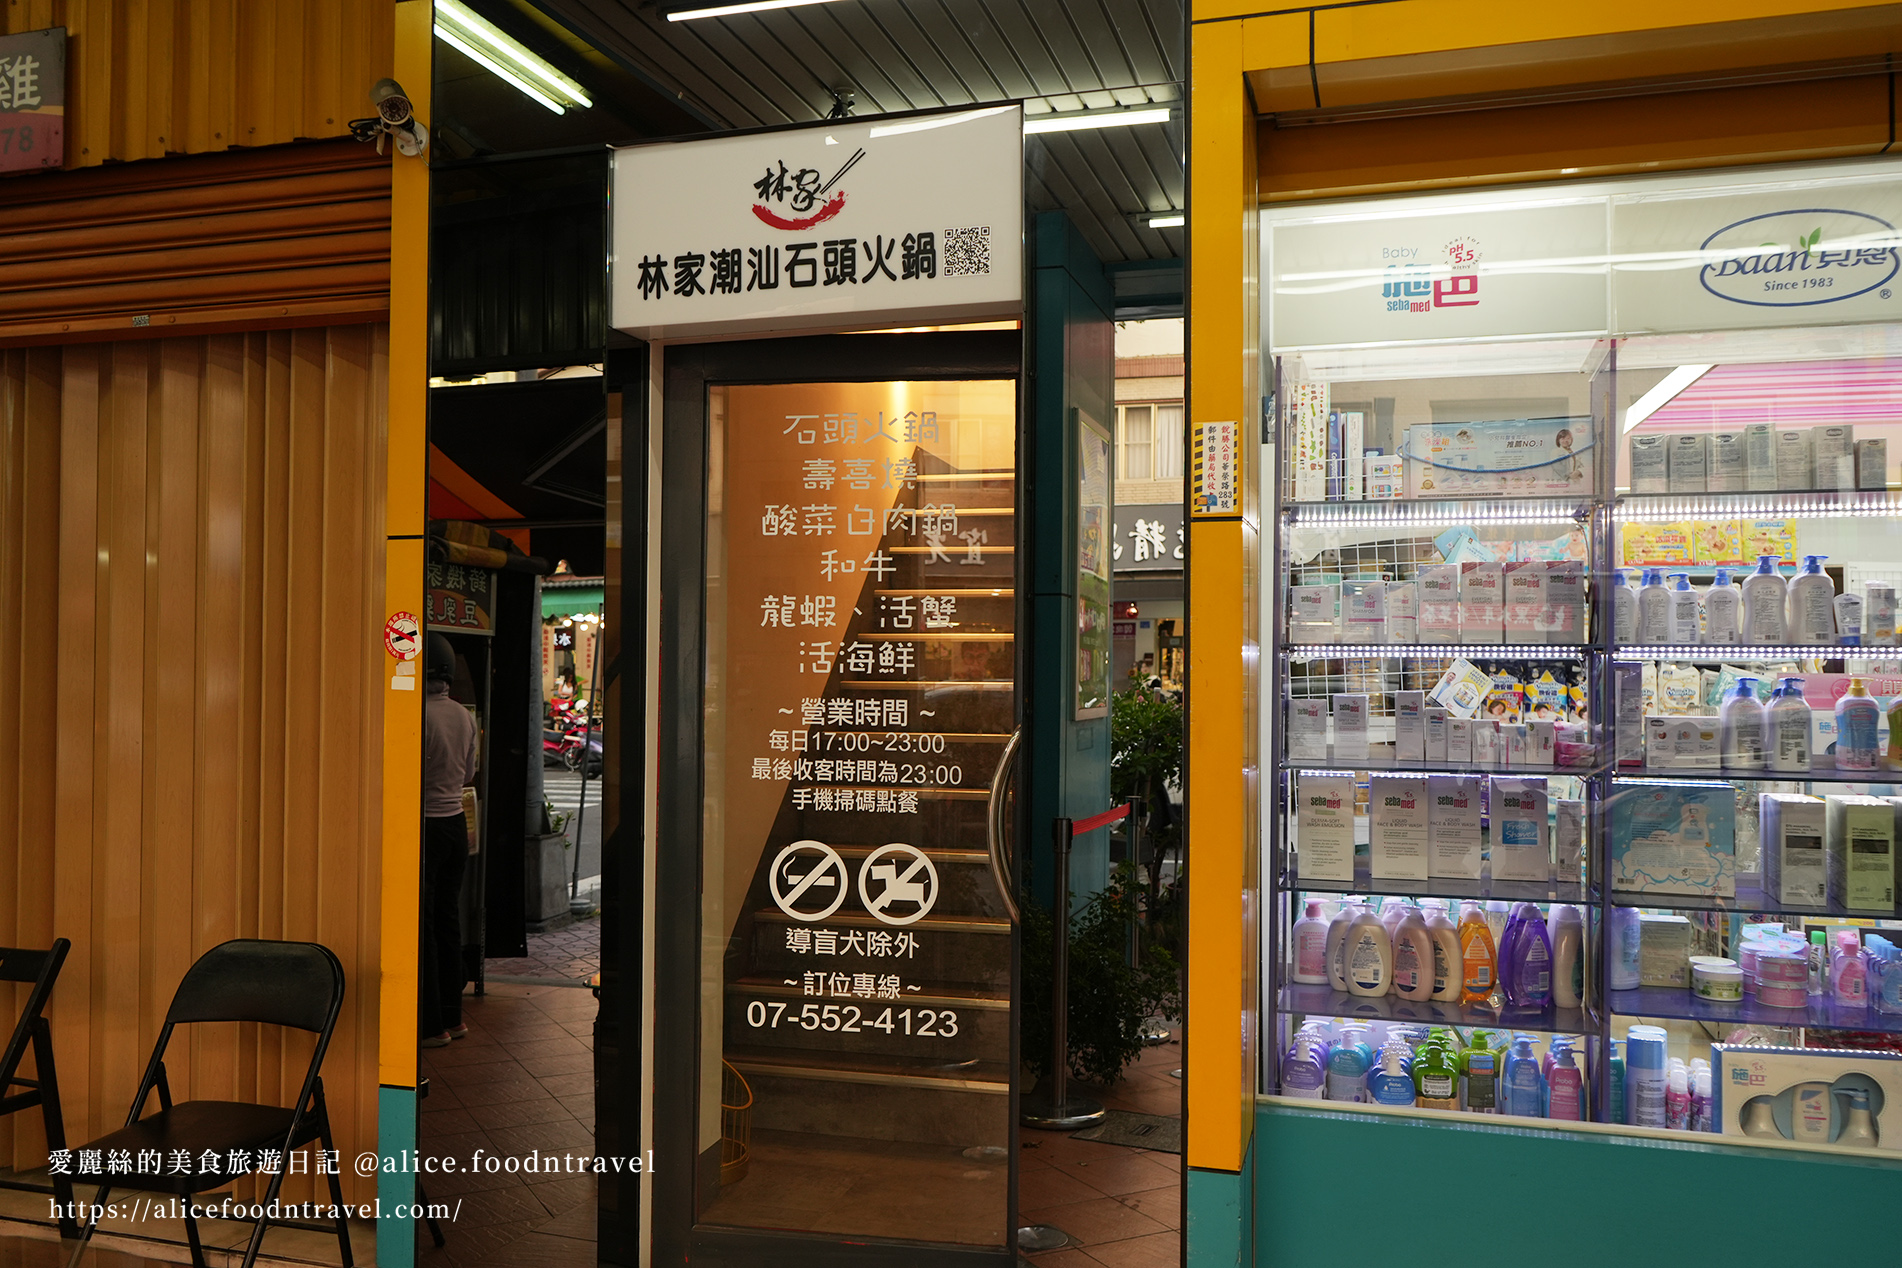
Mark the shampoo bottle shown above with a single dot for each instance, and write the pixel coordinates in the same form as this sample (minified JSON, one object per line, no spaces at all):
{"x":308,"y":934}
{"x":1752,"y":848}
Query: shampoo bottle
{"x":1787,"y":739}
{"x":1528,"y":967}
{"x":1763,"y":594}
{"x":1479,"y":975}
{"x":1622,"y":972}
{"x":1723,"y":609}
{"x":1568,"y":959}
{"x":1654,"y":609}
{"x":1741,"y":727}
{"x":1310,"y":946}
{"x":1446,"y":954}
{"x":1523,"y":1086}
{"x":1565,"y":1092}
{"x":1808,"y":617}
{"x":1856,"y":723}
{"x":1624,"y":611}
{"x":1392,"y":912}
{"x":1848,"y":975}
{"x":1684,"y":611}
{"x":1337,"y":944}
{"x":1369,"y":955}
{"x":1412,"y":958}
{"x":1848,"y":620}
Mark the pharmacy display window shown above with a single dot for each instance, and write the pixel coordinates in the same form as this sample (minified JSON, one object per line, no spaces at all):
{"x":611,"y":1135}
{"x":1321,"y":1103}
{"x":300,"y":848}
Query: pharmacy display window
{"x":1588,"y":530}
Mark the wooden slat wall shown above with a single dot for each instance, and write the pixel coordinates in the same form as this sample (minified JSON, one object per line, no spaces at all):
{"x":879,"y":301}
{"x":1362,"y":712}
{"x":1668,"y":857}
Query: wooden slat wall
{"x":191,"y":572}
{"x":147,"y":78}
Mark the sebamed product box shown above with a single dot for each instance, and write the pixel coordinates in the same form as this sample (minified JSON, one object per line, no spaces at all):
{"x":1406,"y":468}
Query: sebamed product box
{"x":1568,"y":839}
{"x":1363,"y":611}
{"x":1524,"y":581}
{"x":1674,"y":837}
{"x":1726,"y":462}
{"x":1648,"y":471}
{"x":1760,"y":457}
{"x":1793,"y":460}
{"x":1453,"y":826}
{"x":1833,"y":456}
{"x":1409,"y":726}
{"x":1565,"y":620}
{"x":1520,"y":458}
{"x":1462,"y":689}
{"x":1515,"y":744}
{"x":1435,"y":723}
{"x":1543,"y":743}
{"x":1397,"y":839}
{"x":1403,"y":612}
{"x":1439,"y":603}
{"x":1521,"y":847}
{"x":1486,"y":750}
{"x":1831,"y":1097}
{"x":1872,"y":464}
{"x":1350,"y":727}
{"x":1459,"y":741}
{"x":1793,"y":828}
{"x":1687,"y":463}
{"x":1307,"y":728}
{"x":1861,"y":845}
{"x":1324,"y":825}
{"x":1482,"y":602}
{"x":1314,"y":614}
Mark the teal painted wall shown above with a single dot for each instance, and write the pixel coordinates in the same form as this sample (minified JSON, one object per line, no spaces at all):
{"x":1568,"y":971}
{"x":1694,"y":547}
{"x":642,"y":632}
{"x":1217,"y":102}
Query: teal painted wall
{"x":1217,"y":1226}
{"x":395,"y":1185}
{"x":1452,"y":1192}
{"x":1072,"y":370}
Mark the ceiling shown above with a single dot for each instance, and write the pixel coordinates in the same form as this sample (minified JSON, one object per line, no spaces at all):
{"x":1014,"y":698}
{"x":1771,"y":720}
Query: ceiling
{"x":783,"y":66}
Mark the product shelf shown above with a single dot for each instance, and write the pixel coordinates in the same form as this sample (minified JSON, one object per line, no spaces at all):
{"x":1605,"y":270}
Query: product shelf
{"x":1375,"y":763}
{"x":1727,"y":775}
{"x":1487,"y":651}
{"x":1482,"y":889}
{"x":1720,"y":653}
{"x":1472,"y":512}
{"x":1324,"y":1001}
{"x":1681,"y":1004}
{"x":1663,"y":508}
{"x":1750,"y":900}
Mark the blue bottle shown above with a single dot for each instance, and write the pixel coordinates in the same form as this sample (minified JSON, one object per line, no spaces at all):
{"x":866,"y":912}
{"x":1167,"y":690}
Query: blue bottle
{"x":1523,"y":1086}
{"x":1347,"y":1071}
{"x":1615,"y":1068}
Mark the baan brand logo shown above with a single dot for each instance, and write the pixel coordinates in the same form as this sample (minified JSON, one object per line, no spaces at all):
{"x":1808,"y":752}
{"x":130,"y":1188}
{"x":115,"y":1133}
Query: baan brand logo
{"x":808,"y":194}
{"x":1801,"y":257}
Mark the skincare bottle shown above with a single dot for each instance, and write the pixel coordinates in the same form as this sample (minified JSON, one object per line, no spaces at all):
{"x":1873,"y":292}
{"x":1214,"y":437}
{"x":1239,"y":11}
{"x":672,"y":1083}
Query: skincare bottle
{"x":1479,"y":972}
{"x":1622,"y":972}
{"x":1479,"y":1076}
{"x":1498,"y":916}
{"x":1701,"y":1120}
{"x":1787,"y":741}
{"x":1615,"y":1079}
{"x":1684,"y":611}
{"x":1819,"y":964}
{"x":1347,"y":1069}
{"x":1446,"y":954}
{"x":1808,"y":617}
{"x":1723,"y":607}
{"x":1654,"y":609}
{"x":1646,"y":1073}
{"x":1677,"y":1097}
{"x":1392,"y":912}
{"x":1514,"y":922}
{"x":1848,"y":620}
{"x":1528,"y":968}
{"x":1885,"y":976}
{"x":1763,"y":594}
{"x":1878,"y":613}
{"x":1859,"y":1126}
{"x":1412,"y":958}
{"x":1304,"y":1066}
{"x":1523,"y":1087}
{"x":1336,"y":954}
{"x":1741,"y":727}
{"x":1436,"y":1075}
{"x":1390,"y":1079}
{"x":1568,"y":959}
{"x":1369,"y":955}
{"x":1310,"y":946}
{"x":1624,"y":611}
{"x":1856,"y":720}
{"x":1848,"y":975}
{"x":1565,"y":1093}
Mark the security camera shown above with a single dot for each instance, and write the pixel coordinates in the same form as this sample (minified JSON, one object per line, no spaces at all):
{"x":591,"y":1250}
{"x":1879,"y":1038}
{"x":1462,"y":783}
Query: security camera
{"x":391,"y":102}
{"x":394,"y":117}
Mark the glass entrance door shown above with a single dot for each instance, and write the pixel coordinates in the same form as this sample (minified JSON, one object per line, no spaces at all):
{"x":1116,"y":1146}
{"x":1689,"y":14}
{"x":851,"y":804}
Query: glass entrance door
{"x":853,"y":1030}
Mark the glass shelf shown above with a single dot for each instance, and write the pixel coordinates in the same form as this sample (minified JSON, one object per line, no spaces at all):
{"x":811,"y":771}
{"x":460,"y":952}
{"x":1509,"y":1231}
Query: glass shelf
{"x":1681,"y":1004}
{"x":1726,"y":775}
{"x":1470,"y":512}
{"x":1325,"y":1001}
{"x":1481,"y":889}
{"x":1716,"y":653}
{"x":1646,"y":508}
{"x":1750,"y":900}
{"x":1490,"y":651}
{"x":1376,"y":763}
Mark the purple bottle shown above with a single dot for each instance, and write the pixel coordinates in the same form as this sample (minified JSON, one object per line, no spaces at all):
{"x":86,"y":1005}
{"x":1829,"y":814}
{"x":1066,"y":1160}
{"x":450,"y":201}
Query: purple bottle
{"x":1527,"y":967}
{"x":1507,"y":940}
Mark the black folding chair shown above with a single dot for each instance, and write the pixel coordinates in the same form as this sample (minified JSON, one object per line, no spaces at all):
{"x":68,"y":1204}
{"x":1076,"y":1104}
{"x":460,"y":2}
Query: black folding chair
{"x":42,"y":969}
{"x":295,"y":984}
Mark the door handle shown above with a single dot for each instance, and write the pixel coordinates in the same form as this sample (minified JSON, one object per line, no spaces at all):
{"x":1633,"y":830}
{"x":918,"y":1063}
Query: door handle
{"x":1002,"y":867}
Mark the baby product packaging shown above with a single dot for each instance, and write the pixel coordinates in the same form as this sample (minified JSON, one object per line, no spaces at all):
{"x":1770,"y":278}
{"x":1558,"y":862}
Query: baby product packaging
{"x":1314,"y":614}
{"x":1462,"y":689}
{"x":1872,"y":464}
{"x":1833,"y":456}
{"x":1627,"y":680}
{"x":1521,"y":848}
{"x":1544,"y":740}
{"x":1307,"y":728}
{"x":1760,"y":457}
{"x":1515,"y":744}
{"x":1385,"y":478}
{"x":1434,"y":720}
{"x":1568,"y":839}
{"x":1439,"y":603}
{"x":1482,"y":603}
{"x":1459,"y":741}
{"x":1324,"y":825}
{"x":1674,"y":837}
{"x":1688,"y":463}
{"x":1664,"y":951}
{"x":1350,"y":727}
{"x":1403,"y":612}
{"x":1510,"y":458}
{"x":1363,"y":611}
{"x":1687,"y":742}
{"x":1648,"y":473}
{"x":1486,"y":751}
{"x":1726,"y":462}
{"x":1793,"y":460}
{"x":1525,"y":600}
{"x":1793,"y":828}
{"x":1565,"y":602}
{"x":1409,"y":726}
{"x":1397,"y":828}
{"x":1453,"y":825}
{"x":1833,"y":1097}
{"x":1861,"y":844}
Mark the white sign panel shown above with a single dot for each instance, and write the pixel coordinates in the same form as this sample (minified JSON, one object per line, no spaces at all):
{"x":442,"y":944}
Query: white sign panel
{"x":1469,"y":273}
{"x":1814,"y":253}
{"x":851,"y":222}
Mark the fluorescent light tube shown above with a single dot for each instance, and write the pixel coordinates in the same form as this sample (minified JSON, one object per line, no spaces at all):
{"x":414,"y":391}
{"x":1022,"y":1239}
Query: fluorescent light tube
{"x":506,"y":57}
{"x":1660,"y":396}
{"x":727,"y":10}
{"x":1169,"y":220}
{"x":1101,"y":119}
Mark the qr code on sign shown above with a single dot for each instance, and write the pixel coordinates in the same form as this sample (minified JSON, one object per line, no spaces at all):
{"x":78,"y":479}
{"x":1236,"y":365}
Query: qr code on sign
{"x":967,"y":252}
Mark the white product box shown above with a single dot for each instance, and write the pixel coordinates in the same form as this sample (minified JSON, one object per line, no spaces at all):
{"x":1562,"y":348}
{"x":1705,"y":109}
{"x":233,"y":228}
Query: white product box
{"x":1459,"y":741}
{"x":1664,"y":951}
{"x":1525,"y":600}
{"x":1462,"y":689}
{"x":1454,"y":834}
{"x":1813,"y":1096}
{"x":1793,"y":460}
{"x":1397,"y":840}
{"x":1872,"y":464}
{"x":1314,"y":614}
{"x":1307,"y":728}
{"x":1861,"y":844}
{"x":1543,"y":751}
{"x":1673,"y":837}
{"x":1409,"y":726}
{"x":1350,"y":727}
{"x":1307,"y":442}
{"x":1439,"y":603}
{"x":1672,"y":742}
{"x":1482,"y":603}
{"x":1363,"y":611}
{"x":1688,"y":463}
{"x":1385,"y":478}
{"x":1486,"y":751}
{"x":1353,"y":453}
{"x":1648,"y":473}
{"x":1436,"y":719}
{"x":1760,"y":457}
{"x":1565,"y":620}
{"x":1515,"y":744}
{"x":1403,"y":612}
{"x":1522,"y":849}
{"x":1324,"y":825}
{"x":1627,"y":683}
{"x":1568,"y":839}
{"x":1726,"y":462}
{"x":1833,"y":456}
{"x":1793,"y":830}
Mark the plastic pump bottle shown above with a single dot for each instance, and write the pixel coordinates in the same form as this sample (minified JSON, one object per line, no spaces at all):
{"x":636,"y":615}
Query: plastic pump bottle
{"x":1742,"y":728}
{"x":1336,"y":955}
{"x":1856,"y":720}
{"x":1479,"y":959}
{"x":1369,"y":954}
{"x":1763,"y":595}
{"x":1412,"y":958}
{"x":1654,"y":609}
{"x":1624,"y":611}
{"x":1701,"y":1120}
{"x":1723,"y":610}
{"x":1677,"y":1096}
{"x":1392,"y":912}
{"x":1615,"y":1078}
{"x":1568,"y":960}
{"x":1684,"y":611}
{"x":1522,"y":1087}
{"x":1859,"y":1126}
{"x":1446,"y":954}
{"x":1787,"y":737}
{"x":1809,"y":617}
{"x":1565,"y":1092}
{"x":1310,"y":946}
